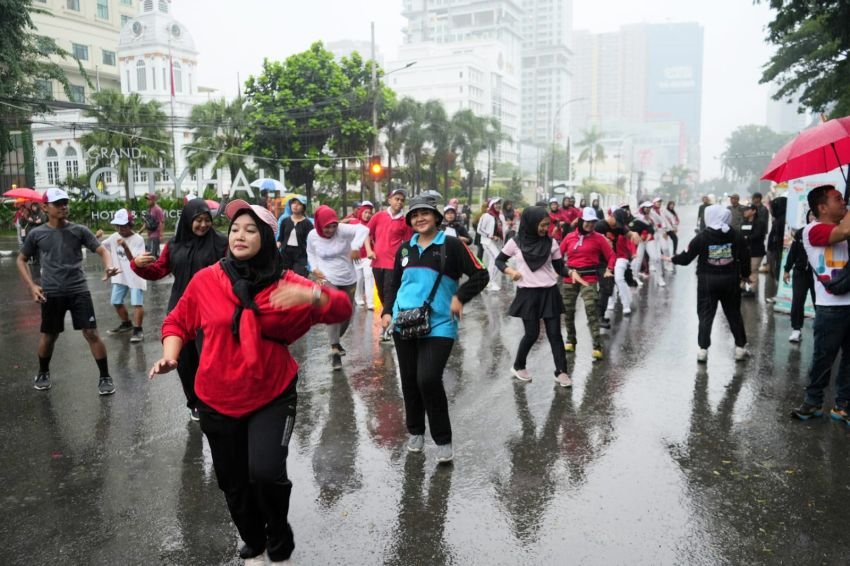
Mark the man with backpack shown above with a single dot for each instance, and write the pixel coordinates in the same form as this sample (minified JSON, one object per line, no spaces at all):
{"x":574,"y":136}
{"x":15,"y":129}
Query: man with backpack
{"x":154,"y":219}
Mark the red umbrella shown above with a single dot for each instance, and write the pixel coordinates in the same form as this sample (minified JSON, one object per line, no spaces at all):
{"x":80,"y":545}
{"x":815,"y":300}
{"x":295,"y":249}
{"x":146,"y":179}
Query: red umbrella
{"x":22,"y":192}
{"x":212,"y":204}
{"x":816,"y":150}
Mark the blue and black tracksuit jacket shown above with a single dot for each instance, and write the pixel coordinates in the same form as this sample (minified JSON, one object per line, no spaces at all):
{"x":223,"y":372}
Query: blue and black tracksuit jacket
{"x":416,"y":270}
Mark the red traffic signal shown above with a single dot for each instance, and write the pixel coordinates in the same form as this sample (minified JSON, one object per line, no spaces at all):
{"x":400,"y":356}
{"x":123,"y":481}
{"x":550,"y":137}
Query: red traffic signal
{"x":376,"y":169}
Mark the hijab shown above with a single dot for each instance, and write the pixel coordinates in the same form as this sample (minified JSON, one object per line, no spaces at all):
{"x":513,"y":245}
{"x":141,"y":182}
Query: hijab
{"x":188,"y":253}
{"x":536,"y":249}
{"x":718,"y":217}
{"x":325,"y":215}
{"x":251,"y":276}
{"x":491,"y":210}
{"x":358,"y":214}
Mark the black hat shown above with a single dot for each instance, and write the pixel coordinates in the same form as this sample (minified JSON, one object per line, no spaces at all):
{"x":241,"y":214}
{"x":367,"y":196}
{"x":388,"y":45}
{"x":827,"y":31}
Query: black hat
{"x":426,"y":201}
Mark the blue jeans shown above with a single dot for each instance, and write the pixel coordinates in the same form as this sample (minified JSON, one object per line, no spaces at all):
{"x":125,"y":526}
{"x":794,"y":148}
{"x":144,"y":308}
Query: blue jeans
{"x":832,"y":333}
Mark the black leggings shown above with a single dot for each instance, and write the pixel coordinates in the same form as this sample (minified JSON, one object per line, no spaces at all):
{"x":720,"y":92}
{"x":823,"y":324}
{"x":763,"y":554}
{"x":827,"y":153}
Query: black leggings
{"x":421,"y":363}
{"x":382,"y":277}
{"x":187,"y":367}
{"x":675,"y":239}
{"x":723,"y":289}
{"x":556,"y":342}
{"x":249,"y":456}
{"x":802,"y":282}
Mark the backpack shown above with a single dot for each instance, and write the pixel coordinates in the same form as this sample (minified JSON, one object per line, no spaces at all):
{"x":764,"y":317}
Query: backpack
{"x":151,"y":223}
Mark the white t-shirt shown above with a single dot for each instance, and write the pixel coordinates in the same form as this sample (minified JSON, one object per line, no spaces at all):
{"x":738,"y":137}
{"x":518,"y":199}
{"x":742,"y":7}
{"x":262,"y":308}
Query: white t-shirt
{"x":332,"y":256}
{"x":826,"y":261}
{"x":137,"y":247}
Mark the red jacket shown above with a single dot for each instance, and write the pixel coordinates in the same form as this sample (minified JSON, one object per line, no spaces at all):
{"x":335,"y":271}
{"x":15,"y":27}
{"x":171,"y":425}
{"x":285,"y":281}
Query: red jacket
{"x":238,"y":377}
{"x":156,"y":270}
{"x":586,"y":252}
{"x":387,"y":234}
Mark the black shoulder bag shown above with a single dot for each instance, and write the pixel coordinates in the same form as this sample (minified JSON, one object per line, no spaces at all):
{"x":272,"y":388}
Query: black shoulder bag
{"x":416,"y":323}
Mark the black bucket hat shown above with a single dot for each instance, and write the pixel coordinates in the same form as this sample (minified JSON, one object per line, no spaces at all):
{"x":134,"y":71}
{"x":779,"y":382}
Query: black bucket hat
{"x":425,"y":201}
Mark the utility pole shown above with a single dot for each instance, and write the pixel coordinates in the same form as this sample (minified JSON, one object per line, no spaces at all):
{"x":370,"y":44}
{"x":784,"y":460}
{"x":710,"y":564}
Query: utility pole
{"x":376,"y":186}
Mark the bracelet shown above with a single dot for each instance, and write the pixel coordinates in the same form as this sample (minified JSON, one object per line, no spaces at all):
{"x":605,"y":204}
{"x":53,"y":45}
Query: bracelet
{"x":317,"y":294}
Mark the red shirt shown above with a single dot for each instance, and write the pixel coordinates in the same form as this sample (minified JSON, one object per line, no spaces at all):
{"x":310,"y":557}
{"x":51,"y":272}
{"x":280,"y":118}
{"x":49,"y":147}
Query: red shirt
{"x":354,"y":221}
{"x":388,"y":233}
{"x":587,"y":251}
{"x":571,"y":214}
{"x":156,"y":270}
{"x":238,"y":377}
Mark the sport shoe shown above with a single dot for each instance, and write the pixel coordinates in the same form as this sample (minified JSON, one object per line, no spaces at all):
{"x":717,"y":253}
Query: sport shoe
{"x":137,"y":336}
{"x":796,"y":336}
{"x":42,"y":381}
{"x":840,"y":412}
{"x":805,"y":412}
{"x":444,"y":453}
{"x":195,"y":415}
{"x":387,"y":335}
{"x":416,"y":443}
{"x":563,"y":380}
{"x":702,"y":355}
{"x":596,"y":354}
{"x":741,"y":354}
{"x":569,"y":347}
{"x":605,"y":323}
{"x":105,"y":386}
{"x":256,"y":560}
{"x":627,"y":312}
{"x":521,"y":374}
{"x":661,"y":283}
{"x":336,"y":361}
{"x":338,"y":349}
{"x":246,"y":552}
{"x":122,"y":328}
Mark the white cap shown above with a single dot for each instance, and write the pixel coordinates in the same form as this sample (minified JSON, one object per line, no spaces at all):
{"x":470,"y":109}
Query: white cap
{"x":121,"y":218}
{"x":367,"y":203}
{"x":553,"y":199}
{"x":588,"y":214}
{"x":658,"y":199}
{"x":645,"y":204}
{"x":52,"y":195}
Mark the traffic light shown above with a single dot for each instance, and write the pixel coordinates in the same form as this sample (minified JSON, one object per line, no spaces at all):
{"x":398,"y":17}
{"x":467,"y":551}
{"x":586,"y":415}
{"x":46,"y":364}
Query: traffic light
{"x":376,"y":169}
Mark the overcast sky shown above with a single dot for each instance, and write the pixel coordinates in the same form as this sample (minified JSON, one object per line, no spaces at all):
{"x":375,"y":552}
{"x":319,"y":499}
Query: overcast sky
{"x":233,"y":37}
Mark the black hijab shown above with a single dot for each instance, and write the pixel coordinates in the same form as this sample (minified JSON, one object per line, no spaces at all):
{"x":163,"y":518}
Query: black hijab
{"x":251,"y":276}
{"x":536,"y":249}
{"x":188,"y":253}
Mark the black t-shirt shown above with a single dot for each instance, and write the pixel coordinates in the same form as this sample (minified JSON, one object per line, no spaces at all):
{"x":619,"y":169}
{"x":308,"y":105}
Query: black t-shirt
{"x":61,"y":253}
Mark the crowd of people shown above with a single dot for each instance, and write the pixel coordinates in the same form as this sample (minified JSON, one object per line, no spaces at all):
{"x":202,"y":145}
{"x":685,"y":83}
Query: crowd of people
{"x":275,"y":278}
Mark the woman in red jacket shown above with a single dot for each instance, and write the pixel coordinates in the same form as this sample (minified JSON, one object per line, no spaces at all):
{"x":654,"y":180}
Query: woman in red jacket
{"x":248,"y":309}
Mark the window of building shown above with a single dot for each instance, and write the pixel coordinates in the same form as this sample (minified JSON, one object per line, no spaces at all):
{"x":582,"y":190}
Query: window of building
{"x":78,"y":94}
{"x":44,"y":89}
{"x":125,"y":18}
{"x":107,"y":177}
{"x":127,"y":84}
{"x":103,"y":9}
{"x":148,"y":5}
{"x":81,"y":52}
{"x":163,"y":6}
{"x":126,"y":2}
{"x":138,"y":176}
{"x":72,"y":5}
{"x":153,"y":78}
{"x":72,"y":164}
{"x":164,"y":82}
{"x":109,"y":58}
{"x":52,"y":166}
{"x":190,"y":84}
{"x":178,"y":77}
{"x":141,"y":76}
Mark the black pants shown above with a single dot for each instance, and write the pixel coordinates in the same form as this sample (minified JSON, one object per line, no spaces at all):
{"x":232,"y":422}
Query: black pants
{"x":675,"y":239}
{"x":295,"y":259}
{"x":556,"y":342}
{"x":382,"y":277}
{"x":187,"y":367}
{"x":724,"y":289}
{"x":421,"y":363}
{"x":801,"y":283}
{"x":249,"y":457}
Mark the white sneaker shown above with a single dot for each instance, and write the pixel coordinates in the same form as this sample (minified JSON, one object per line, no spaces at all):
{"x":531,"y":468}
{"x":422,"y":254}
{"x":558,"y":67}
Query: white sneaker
{"x":741,"y":354}
{"x":444,"y":453}
{"x":359,"y":303}
{"x":627,"y":312}
{"x":661,"y":283}
{"x":796,"y":336}
{"x":256,"y":561}
{"x":702,"y":355}
{"x":521,"y":374}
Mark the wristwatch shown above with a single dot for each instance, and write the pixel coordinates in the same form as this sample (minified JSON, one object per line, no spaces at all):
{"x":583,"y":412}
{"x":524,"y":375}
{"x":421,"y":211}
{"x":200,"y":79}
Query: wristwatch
{"x":317,"y":294}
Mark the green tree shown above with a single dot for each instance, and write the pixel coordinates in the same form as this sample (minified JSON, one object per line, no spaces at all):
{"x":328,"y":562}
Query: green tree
{"x":218,"y":135}
{"x":749,"y":149}
{"x":294,"y":109}
{"x":125,"y":122}
{"x":493,"y":137}
{"x":24,"y":60}
{"x":813,"y":44}
{"x":415,"y":136}
{"x":469,"y":138}
{"x":592,"y":150}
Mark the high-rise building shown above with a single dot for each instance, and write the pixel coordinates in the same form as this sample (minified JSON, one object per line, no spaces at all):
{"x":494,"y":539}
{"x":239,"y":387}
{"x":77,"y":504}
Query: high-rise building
{"x":547,"y":25}
{"x":783,"y":115}
{"x":88,"y":30}
{"x":642,"y":87}
{"x":345,"y":47}
{"x":467,"y":55}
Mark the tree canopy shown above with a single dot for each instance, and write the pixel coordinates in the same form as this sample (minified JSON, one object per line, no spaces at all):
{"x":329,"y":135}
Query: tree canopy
{"x":749,"y":149}
{"x":813,"y":41}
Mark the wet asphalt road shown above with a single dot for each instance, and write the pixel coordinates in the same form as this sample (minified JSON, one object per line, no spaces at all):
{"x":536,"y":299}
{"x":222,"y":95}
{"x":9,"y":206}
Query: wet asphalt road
{"x":649,"y":459}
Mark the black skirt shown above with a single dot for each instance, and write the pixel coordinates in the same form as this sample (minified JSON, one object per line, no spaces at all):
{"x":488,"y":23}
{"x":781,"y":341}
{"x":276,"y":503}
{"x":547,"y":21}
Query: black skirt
{"x":535,"y":303}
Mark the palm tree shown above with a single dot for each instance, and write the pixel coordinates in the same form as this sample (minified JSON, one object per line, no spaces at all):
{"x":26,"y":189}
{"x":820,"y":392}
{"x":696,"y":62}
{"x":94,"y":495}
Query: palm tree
{"x":127,"y":123}
{"x":469,"y":138}
{"x":592,"y":150}
{"x":414,"y":136}
{"x":440,"y":137}
{"x":218,"y":135}
{"x":493,"y":137}
{"x":397,"y":118}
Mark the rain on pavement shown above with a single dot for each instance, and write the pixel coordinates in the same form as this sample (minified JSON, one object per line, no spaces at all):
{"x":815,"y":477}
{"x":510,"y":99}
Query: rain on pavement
{"x":648,"y":459}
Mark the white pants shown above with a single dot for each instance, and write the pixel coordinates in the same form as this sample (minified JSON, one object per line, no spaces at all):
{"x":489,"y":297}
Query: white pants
{"x":651,"y":249}
{"x":491,"y":252}
{"x":622,"y":287}
{"x":665,"y":248}
{"x":365,"y":292}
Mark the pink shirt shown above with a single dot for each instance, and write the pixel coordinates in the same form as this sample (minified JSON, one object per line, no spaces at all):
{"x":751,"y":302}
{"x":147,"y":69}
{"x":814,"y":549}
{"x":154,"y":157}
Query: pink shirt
{"x":543,"y":277}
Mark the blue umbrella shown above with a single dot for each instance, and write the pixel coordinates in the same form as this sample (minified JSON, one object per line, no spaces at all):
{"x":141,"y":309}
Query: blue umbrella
{"x":268,"y":184}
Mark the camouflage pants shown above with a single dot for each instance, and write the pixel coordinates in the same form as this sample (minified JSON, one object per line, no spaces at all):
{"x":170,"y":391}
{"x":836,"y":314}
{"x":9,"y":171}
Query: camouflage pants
{"x":570,"y":292}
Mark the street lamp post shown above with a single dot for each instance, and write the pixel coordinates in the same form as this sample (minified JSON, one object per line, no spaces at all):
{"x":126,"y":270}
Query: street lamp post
{"x":554,"y":126}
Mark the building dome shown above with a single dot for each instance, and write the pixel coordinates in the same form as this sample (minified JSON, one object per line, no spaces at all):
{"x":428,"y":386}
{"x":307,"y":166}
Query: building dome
{"x":155,"y":27}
